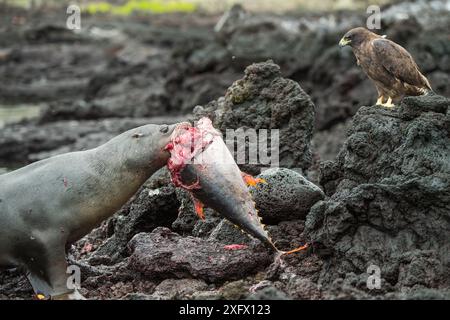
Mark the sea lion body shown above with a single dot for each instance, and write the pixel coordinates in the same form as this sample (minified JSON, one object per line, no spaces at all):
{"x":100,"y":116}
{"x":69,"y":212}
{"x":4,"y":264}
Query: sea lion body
{"x":52,"y":203}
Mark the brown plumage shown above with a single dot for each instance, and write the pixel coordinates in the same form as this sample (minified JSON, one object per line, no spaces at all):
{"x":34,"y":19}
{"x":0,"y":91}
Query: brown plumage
{"x":391,"y":68}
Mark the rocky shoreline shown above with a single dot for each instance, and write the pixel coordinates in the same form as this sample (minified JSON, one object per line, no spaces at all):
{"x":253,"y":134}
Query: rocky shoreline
{"x":364,"y":185}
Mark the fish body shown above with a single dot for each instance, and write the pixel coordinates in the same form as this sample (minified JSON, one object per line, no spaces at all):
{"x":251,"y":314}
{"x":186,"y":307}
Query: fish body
{"x":207,"y":169}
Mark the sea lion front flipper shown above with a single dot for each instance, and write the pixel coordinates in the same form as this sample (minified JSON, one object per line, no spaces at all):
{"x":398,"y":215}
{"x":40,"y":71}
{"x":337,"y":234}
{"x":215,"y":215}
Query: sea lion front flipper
{"x":49,"y":276}
{"x":40,"y":286}
{"x":75,"y":295}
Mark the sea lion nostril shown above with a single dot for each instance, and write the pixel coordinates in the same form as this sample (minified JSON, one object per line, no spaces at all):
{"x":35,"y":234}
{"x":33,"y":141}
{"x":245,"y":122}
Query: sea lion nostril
{"x":164,"y":128}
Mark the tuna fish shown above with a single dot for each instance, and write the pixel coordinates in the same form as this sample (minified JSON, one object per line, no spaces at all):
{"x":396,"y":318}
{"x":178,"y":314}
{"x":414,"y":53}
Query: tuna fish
{"x":201,"y":163}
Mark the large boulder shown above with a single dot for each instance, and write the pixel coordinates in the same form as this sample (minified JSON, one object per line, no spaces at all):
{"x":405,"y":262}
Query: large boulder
{"x":286,"y":195}
{"x":263,"y":99}
{"x":164,"y":254}
{"x":390,"y":198}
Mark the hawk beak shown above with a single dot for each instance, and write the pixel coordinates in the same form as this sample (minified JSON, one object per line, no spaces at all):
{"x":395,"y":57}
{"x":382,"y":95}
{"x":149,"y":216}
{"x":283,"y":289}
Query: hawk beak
{"x":344,"y":42}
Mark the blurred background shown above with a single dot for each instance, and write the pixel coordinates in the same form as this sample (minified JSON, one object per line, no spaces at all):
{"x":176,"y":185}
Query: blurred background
{"x":165,"y":6}
{"x":134,"y":62}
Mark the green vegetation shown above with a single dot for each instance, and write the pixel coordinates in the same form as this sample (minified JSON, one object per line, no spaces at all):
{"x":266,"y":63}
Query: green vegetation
{"x":128,"y":7}
{"x":17,"y":3}
{"x":9,"y":114}
{"x":141,"y":6}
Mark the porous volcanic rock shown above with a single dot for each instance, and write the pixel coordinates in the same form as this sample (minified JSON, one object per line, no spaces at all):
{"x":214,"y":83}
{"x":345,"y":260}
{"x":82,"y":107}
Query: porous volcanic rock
{"x":171,"y":289}
{"x":227,"y":233}
{"x":391,"y":203}
{"x":188,"y":221}
{"x":165,"y":254}
{"x":286,"y":195}
{"x":263,"y":99}
{"x":148,"y":210}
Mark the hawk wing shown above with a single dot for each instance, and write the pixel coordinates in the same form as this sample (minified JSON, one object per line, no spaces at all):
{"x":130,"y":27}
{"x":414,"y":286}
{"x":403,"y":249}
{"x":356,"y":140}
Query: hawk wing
{"x":398,"y":62}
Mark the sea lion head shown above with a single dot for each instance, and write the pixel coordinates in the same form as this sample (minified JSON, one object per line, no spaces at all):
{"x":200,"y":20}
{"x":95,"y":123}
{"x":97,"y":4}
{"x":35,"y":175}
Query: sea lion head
{"x":145,"y":146}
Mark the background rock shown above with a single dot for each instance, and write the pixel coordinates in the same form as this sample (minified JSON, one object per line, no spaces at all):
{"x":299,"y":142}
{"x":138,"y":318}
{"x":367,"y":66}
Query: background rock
{"x":263,"y":99}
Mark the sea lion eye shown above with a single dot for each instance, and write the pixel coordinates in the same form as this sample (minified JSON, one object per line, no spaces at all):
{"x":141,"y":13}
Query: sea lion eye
{"x":137,"y":135}
{"x":164,"y":128}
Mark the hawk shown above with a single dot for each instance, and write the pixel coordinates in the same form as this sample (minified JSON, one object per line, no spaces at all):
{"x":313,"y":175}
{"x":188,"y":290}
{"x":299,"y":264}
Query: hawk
{"x":391,"y":68}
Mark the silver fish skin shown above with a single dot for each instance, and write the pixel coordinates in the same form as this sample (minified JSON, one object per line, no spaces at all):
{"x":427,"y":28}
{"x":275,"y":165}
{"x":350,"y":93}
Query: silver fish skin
{"x":217,"y":182}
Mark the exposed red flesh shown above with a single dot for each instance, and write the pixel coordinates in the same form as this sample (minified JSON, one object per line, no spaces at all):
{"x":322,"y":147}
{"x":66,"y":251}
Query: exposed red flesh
{"x":188,"y":142}
{"x":235,"y":247}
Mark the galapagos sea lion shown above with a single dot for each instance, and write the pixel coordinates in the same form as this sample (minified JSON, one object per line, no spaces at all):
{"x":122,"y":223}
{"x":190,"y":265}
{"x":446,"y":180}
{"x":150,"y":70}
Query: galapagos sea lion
{"x":47,"y":205}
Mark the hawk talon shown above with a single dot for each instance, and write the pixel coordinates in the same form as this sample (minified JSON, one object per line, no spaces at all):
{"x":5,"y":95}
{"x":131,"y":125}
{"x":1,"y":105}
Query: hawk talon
{"x":388,"y":103}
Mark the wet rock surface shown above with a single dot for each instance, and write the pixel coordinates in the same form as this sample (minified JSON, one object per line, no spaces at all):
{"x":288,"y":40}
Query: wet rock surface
{"x":188,"y":223}
{"x":228,"y":233}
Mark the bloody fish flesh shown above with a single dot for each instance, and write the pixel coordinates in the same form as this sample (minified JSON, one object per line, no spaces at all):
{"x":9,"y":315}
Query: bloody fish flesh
{"x":201,"y":163}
